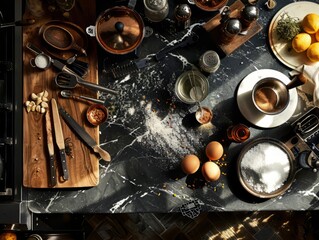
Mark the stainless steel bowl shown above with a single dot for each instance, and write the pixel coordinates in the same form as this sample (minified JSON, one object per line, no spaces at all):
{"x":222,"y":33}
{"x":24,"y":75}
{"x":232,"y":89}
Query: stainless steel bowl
{"x":285,"y":185}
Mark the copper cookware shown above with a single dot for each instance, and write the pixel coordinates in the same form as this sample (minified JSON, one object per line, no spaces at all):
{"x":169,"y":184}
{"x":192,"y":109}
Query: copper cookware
{"x":118,"y":30}
{"x":210,"y":5}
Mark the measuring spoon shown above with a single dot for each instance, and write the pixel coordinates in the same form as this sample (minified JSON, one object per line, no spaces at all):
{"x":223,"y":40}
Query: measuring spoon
{"x":70,"y":94}
{"x":70,"y":81}
{"x":60,"y":38}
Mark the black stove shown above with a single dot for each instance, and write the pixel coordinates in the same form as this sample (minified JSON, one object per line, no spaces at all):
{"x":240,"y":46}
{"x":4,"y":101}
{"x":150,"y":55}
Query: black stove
{"x":6,"y":106}
{"x":11,"y":86}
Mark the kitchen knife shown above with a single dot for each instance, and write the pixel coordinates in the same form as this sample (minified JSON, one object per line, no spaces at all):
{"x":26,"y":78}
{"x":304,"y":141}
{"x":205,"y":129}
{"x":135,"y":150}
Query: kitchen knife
{"x":84,"y":135}
{"x":61,"y":66}
{"x":59,"y":139}
{"x":55,"y":62}
{"x":48,"y":126}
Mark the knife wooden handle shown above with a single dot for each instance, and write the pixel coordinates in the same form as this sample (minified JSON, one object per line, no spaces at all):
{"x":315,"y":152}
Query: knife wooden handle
{"x":65,"y":172}
{"x":52,"y":171}
{"x":103,"y":154}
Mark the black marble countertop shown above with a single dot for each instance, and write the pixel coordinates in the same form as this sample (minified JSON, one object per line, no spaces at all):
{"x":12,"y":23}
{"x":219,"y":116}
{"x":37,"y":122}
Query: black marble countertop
{"x":149,"y":131}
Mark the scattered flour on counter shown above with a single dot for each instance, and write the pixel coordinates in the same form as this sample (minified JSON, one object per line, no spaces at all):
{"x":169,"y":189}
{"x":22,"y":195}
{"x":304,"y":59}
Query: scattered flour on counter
{"x":165,"y":136}
{"x":265,"y":167}
{"x":131,"y":110}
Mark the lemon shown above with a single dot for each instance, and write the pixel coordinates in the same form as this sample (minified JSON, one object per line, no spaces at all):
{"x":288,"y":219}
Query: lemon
{"x":313,"y":52}
{"x":301,"y":42}
{"x":310,"y":23}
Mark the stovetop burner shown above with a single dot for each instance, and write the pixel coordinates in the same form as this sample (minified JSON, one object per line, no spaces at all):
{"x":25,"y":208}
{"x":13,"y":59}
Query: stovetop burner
{"x":7,"y":79}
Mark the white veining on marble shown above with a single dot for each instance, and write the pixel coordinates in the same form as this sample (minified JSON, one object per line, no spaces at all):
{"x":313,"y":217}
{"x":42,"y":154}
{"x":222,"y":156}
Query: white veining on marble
{"x":52,"y":201}
{"x":310,"y":192}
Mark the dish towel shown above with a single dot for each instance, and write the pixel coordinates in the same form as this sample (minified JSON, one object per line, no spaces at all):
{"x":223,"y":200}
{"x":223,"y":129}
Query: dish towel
{"x":311,"y":72}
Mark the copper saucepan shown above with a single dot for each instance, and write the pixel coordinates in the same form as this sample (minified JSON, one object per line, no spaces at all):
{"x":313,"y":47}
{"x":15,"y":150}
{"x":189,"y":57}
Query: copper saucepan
{"x":118,"y":30}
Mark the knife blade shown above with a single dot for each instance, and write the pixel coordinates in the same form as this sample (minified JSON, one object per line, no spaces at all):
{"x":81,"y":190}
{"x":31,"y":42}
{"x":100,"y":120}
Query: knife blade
{"x":59,"y":139}
{"x":86,"y":138}
{"x":48,"y":125}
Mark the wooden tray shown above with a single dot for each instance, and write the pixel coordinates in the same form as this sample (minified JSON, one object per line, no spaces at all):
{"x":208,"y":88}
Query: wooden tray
{"x":83,"y":165}
{"x":212,"y":26}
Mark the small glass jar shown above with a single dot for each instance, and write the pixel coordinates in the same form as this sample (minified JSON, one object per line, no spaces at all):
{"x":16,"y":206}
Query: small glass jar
{"x":238,"y":133}
{"x":191,"y":87}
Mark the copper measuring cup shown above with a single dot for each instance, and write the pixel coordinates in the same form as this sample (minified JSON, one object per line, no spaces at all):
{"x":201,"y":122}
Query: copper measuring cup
{"x":60,"y":38}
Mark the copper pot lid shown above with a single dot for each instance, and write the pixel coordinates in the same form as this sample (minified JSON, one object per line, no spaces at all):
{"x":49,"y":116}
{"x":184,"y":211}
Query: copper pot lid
{"x":120,"y":30}
{"x":210,"y":5}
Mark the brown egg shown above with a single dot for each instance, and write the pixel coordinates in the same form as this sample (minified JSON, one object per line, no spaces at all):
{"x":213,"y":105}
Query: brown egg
{"x":214,"y":150}
{"x":190,"y":164}
{"x":210,"y":171}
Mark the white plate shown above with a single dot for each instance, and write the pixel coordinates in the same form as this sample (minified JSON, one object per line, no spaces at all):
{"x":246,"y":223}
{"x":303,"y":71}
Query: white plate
{"x":281,"y":48}
{"x":250,"y":112}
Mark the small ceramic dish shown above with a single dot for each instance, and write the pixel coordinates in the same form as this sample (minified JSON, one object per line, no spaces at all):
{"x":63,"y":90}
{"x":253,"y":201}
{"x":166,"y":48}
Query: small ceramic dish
{"x":96,"y":114}
{"x":204,"y":115}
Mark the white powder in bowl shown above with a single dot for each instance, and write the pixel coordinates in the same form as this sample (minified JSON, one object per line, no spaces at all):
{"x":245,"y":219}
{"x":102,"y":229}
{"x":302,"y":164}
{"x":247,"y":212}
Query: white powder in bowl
{"x":265,"y":167}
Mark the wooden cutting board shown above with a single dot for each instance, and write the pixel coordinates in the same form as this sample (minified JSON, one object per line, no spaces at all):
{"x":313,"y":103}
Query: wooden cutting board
{"x":82,"y":164}
{"x":212,"y":26}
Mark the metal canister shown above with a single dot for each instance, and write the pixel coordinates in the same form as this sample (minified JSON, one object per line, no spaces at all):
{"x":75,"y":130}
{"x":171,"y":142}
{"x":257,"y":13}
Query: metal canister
{"x":209,"y":61}
{"x":156,"y":10}
{"x":182,"y":16}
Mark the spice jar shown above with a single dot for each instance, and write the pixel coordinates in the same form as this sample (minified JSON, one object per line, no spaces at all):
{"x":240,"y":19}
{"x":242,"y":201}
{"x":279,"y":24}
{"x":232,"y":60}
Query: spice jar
{"x":238,"y":133}
{"x":182,"y":15}
{"x":204,"y":115}
{"x":156,"y":10}
{"x":249,"y":14}
{"x":209,"y":61}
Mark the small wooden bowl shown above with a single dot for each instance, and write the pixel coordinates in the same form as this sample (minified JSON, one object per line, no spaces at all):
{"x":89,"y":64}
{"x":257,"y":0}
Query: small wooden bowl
{"x":96,"y":114}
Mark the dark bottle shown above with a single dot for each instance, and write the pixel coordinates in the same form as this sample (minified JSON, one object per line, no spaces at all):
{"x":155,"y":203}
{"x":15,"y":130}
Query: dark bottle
{"x":238,"y":133}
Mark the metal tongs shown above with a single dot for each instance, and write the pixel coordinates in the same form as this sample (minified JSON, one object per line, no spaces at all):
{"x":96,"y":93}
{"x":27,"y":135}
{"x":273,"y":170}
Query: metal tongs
{"x":70,"y":81}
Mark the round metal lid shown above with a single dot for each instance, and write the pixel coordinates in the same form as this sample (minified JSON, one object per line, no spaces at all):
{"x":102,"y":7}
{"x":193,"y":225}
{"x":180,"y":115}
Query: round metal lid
{"x":155,"y":5}
{"x":120,"y":30}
